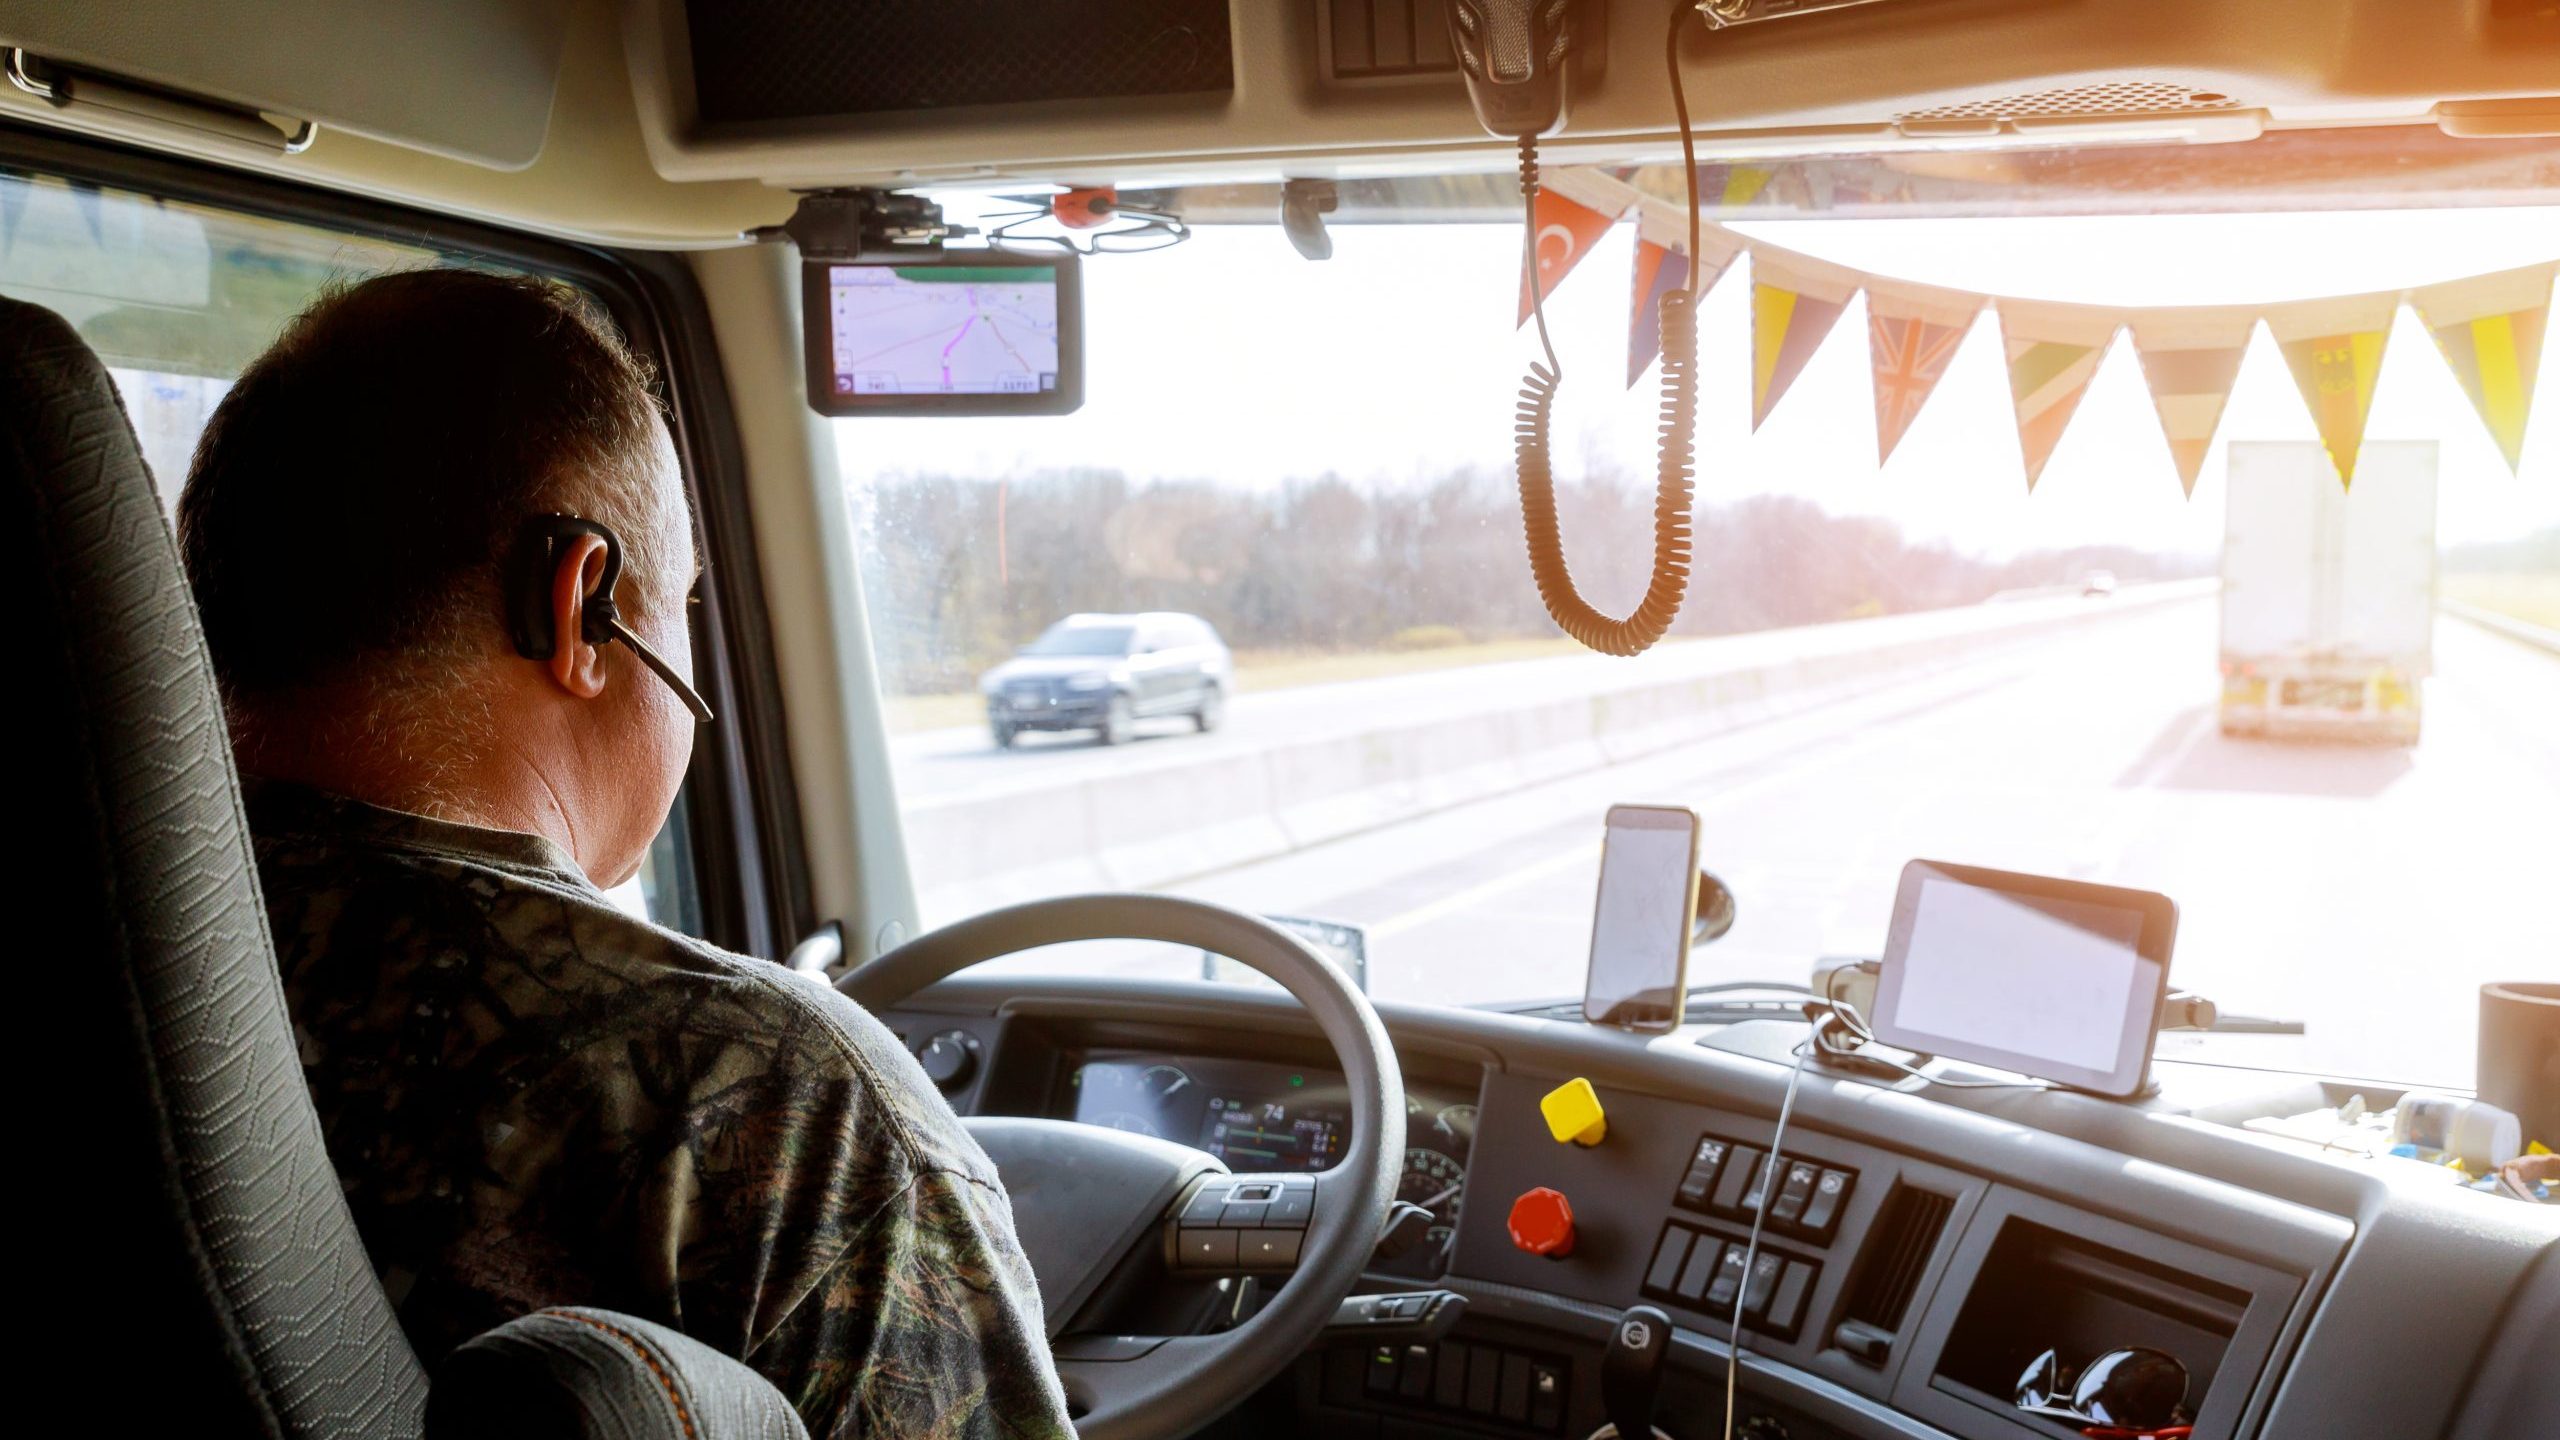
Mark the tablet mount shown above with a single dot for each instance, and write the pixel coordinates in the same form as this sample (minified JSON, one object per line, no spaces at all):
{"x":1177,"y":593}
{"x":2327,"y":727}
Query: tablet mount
{"x":862,"y":226}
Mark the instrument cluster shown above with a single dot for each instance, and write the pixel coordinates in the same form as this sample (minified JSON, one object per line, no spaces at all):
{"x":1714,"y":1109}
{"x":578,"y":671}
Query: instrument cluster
{"x":1263,"y":1116}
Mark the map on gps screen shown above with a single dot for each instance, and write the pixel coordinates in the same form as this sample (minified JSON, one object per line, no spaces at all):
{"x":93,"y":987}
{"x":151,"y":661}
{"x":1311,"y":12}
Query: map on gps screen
{"x":944,"y":329}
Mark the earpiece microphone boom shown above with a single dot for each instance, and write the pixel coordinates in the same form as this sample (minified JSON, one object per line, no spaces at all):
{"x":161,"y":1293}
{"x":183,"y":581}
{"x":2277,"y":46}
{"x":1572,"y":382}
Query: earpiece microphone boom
{"x":599,"y":622}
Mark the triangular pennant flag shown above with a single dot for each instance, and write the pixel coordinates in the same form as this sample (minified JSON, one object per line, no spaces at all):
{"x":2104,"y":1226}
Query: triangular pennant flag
{"x":2490,"y":329}
{"x":2190,"y":357}
{"x":1794,"y":301}
{"x":2053,"y":350}
{"x":1912,"y":332}
{"x":2334,"y":349}
{"x":1566,"y":230}
{"x":1661,"y":267}
{"x":1731,"y":187}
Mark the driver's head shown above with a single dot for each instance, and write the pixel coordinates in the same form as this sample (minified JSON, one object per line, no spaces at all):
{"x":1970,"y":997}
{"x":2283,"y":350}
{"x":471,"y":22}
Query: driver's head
{"x":347,"y":527}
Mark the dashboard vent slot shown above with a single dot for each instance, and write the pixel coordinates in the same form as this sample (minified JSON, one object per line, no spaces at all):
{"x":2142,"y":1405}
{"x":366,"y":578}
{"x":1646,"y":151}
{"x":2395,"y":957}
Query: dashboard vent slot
{"x":1905,"y":1235}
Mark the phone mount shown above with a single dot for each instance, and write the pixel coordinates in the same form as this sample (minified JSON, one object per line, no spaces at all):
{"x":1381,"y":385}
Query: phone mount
{"x":1715,"y":910}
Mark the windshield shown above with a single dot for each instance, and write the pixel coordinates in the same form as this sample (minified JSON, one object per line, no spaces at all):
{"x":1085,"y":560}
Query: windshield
{"x":1924,"y":658}
{"x":1081,"y":640}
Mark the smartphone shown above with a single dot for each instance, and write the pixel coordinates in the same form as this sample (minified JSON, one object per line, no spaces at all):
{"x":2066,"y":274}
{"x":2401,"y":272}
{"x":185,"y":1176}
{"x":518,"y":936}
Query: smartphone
{"x":1640,"y":923}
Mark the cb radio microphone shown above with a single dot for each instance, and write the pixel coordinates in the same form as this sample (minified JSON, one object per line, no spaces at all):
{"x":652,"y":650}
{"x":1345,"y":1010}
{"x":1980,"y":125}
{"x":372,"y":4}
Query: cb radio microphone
{"x":1512,"y":53}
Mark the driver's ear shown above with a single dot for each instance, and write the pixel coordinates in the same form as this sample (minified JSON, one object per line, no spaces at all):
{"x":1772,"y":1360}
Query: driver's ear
{"x":576,"y":665}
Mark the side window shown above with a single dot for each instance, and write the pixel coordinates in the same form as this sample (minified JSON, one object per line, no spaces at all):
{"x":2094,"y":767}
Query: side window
{"x":177,"y":299}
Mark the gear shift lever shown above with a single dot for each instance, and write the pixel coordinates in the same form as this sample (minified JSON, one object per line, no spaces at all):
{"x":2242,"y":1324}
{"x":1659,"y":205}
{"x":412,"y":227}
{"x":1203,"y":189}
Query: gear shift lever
{"x":1631,"y":1371}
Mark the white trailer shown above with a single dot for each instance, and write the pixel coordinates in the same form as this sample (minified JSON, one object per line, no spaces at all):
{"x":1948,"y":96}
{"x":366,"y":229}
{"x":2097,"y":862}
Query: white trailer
{"x":2328,"y":595}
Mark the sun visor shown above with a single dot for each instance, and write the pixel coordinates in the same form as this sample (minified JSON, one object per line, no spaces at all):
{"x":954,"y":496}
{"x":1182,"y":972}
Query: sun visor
{"x":468,"y":79}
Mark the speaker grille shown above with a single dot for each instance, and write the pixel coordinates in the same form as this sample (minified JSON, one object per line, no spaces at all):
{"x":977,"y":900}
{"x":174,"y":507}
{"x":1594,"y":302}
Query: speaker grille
{"x":803,"y":59}
{"x":2120,"y":97}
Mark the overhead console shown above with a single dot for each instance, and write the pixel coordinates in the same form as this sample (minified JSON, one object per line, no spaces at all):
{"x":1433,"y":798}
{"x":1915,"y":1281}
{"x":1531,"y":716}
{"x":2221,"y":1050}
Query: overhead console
{"x":1106,"y":91}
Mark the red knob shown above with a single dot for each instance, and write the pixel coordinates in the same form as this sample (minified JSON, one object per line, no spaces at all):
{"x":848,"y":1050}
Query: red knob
{"x":1542,"y":1223}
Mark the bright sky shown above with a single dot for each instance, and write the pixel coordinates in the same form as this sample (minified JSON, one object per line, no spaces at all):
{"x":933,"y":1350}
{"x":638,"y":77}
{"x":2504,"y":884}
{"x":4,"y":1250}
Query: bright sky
{"x":1232,"y":359}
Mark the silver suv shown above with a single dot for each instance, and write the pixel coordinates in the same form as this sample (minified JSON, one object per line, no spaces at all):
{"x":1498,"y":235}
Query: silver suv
{"x":1105,"y":673}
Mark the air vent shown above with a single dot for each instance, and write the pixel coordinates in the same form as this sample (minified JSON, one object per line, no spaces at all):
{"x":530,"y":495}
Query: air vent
{"x":1897,"y":1253}
{"x":2121,"y":97}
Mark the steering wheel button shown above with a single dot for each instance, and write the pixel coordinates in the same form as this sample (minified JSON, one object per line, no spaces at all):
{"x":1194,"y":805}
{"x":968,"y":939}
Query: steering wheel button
{"x":1267,"y":1249}
{"x":1542,"y":1223}
{"x":1294,"y":1207}
{"x":1209,"y":1249}
{"x":1243,"y":1214}
{"x":1205,"y":1205}
{"x":1573,"y":1113}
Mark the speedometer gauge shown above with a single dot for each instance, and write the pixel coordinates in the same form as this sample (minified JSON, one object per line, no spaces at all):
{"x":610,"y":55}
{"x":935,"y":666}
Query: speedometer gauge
{"x":1433,"y":1181}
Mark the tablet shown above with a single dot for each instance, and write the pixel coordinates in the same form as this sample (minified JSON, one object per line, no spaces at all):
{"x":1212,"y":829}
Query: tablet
{"x":961,"y":332}
{"x":2057,"y":979}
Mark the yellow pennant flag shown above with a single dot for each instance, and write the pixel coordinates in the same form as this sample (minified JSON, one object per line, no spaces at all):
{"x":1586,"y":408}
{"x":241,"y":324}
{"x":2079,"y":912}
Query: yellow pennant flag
{"x":2053,"y":350}
{"x":2490,"y":329}
{"x":2190,"y":357}
{"x":2334,"y":349}
{"x":1795,"y":300}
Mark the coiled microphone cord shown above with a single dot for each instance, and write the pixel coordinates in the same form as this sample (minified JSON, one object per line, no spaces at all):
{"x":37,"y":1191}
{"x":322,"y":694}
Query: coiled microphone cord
{"x":1675,"y":466}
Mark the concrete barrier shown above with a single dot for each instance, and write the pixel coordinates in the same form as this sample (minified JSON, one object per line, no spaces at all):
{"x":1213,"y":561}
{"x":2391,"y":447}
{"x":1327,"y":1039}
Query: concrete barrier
{"x":1162,"y":818}
{"x":2523,"y":632}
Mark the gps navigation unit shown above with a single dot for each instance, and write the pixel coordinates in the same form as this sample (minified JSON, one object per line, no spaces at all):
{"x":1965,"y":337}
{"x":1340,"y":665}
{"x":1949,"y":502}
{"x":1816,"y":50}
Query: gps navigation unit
{"x":965,"y":332}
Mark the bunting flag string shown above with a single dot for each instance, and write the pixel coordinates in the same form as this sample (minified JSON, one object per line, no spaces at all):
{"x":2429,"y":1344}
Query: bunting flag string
{"x":1567,"y":228}
{"x":1795,"y":300}
{"x":2334,"y":349}
{"x":2053,"y":350}
{"x":1912,"y":332}
{"x":2190,"y":360}
{"x":2490,"y":329}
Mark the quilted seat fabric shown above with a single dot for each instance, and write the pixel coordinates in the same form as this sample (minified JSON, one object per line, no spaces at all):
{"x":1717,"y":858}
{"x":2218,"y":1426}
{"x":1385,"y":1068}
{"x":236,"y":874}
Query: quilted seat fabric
{"x":194,"y":1264}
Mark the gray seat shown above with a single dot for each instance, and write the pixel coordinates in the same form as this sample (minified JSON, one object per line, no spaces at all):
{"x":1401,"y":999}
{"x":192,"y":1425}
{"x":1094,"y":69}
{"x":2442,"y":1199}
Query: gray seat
{"x":195,"y":1270}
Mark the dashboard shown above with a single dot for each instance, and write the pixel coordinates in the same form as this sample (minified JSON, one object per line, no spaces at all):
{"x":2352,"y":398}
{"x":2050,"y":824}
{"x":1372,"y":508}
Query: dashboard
{"x":1919,"y":1249}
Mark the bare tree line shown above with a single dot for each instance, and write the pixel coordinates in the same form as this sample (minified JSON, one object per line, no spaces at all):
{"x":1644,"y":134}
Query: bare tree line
{"x":959,"y":570}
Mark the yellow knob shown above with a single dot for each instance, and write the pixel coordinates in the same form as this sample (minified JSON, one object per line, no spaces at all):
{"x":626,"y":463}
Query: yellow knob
{"x":1573,"y":1113}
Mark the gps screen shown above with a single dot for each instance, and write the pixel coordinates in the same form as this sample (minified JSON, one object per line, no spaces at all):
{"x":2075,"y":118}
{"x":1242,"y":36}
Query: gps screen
{"x":945,"y":338}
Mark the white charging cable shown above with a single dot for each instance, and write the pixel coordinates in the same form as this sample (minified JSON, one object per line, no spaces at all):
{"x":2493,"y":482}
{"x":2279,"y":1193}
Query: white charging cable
{"x":1759,"y":1213}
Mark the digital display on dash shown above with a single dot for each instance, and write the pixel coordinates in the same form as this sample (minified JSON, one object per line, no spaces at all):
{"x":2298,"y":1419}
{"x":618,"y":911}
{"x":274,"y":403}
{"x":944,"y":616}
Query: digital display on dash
{"x":1272,"y":1135}
{"x":943,"y":329}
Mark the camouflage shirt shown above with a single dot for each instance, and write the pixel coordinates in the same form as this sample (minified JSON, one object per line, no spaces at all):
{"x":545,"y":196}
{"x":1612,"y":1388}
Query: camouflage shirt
{"x":533,"y":1099}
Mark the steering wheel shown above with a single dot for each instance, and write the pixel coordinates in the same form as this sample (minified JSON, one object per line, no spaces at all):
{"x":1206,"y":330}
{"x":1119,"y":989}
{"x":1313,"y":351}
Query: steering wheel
{"x":1087,"y":1200}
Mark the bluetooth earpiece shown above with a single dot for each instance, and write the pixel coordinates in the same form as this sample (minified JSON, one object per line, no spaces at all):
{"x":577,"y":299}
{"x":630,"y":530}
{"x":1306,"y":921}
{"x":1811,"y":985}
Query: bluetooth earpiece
{"x":529,"y":622}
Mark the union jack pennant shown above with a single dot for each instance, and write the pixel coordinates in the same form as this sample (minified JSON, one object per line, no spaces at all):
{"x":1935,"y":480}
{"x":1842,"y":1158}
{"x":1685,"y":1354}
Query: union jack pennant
{"x":1912,"y":332}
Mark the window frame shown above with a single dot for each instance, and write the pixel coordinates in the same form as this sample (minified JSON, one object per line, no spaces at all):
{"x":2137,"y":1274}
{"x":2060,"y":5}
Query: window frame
{"x":750,"y":860}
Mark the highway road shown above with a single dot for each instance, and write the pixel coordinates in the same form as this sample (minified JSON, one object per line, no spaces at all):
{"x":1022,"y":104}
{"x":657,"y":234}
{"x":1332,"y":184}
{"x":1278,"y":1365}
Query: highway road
{"x":942,"y":765}
{"x":2365,"y":891}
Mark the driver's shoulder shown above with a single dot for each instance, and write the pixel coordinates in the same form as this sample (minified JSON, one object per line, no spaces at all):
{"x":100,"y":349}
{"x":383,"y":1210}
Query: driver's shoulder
{"x":833,"y":1042}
